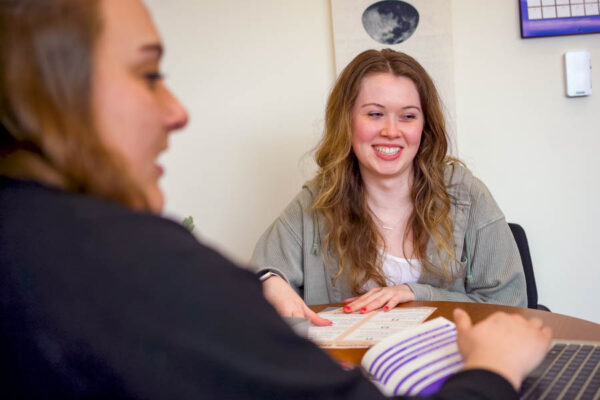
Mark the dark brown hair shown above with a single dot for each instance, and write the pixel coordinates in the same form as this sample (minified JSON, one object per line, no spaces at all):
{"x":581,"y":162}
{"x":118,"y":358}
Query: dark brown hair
{"x":352,"y":234}
{"x":48,"y":132}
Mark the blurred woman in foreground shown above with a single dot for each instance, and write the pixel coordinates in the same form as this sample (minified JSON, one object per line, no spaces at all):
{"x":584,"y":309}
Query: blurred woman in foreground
{"x":101,"y":297}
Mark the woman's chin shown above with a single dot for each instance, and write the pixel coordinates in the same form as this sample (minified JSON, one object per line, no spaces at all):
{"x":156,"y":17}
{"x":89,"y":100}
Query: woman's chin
{"x":156,"y":199}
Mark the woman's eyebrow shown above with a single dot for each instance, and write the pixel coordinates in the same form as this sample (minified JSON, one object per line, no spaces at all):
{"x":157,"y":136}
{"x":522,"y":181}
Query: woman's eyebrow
{"x":382,"y":106}
{"x":156,"y":48}
{"x":373,"y":104}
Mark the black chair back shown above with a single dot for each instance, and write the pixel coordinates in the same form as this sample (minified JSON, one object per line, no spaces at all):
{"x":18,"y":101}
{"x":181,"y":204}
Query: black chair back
{"x":521,"y":239}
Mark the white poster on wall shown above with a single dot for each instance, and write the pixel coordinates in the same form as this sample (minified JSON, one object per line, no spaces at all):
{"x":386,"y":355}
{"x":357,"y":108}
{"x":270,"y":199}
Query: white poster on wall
{"x":420,"y":28}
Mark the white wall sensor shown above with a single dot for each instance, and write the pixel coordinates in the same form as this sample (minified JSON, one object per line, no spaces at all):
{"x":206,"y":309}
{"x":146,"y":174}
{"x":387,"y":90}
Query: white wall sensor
{"x":578,"y":71}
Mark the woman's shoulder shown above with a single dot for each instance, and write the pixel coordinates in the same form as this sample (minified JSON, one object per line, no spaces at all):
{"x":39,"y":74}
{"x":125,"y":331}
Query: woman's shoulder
{"x":306,"y":197}
{"x":59,"y":218}
{"x":456,"y":173}
{"x":300,"y":204}
{"x":30,"y":201}
{"x":468,"y":192}
{"x":462,"y":185}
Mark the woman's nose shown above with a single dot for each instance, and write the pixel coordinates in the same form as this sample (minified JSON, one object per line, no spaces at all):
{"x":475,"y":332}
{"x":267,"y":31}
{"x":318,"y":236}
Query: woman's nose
{"x":391,"y":129}
{"x":176,"y":116}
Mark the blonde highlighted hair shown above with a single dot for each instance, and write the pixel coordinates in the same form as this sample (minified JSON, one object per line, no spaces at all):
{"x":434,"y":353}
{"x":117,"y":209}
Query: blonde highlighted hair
{"x":353,"y":237}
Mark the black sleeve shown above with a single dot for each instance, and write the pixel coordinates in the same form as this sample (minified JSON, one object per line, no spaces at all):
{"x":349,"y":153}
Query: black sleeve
{"x":134,"y":307}
{"x":477,"y":384}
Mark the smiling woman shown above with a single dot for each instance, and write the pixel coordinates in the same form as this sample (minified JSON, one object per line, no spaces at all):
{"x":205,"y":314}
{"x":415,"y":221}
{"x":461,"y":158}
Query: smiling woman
{"x":389,"y":217}
{"x":387,"y":122}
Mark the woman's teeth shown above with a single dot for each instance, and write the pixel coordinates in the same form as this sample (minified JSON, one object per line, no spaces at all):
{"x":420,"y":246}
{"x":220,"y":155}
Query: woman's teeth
{"x":388,"y":151}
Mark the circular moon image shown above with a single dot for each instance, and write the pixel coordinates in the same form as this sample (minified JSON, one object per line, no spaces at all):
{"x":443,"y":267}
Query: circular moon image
{"x":390,"y":22}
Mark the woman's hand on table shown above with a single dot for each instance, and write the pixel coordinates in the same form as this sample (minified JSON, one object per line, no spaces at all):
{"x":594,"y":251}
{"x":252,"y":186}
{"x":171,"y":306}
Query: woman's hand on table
{"x":386,"y":297}
{"x":507,"y":344}
{"x":287,"y":302}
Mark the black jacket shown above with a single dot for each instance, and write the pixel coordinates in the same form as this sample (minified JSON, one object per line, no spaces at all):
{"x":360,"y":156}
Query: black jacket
{"x":98,"y":301}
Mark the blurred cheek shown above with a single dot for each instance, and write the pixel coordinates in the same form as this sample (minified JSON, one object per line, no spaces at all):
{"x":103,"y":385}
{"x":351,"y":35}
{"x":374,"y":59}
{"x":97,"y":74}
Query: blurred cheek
{"x":121,"y":116}
{"x":111,"y":110}
{"x":126,"y":122}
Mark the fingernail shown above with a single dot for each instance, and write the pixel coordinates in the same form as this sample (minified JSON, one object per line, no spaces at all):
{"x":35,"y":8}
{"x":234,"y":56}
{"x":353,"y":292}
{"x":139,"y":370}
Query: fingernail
{"x":386,"y":308}
{"x":347,"y":308}
{"x":364,"y":309}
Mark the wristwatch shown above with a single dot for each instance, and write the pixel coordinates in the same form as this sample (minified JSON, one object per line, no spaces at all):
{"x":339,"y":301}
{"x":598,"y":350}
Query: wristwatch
{"x":264,"y":275}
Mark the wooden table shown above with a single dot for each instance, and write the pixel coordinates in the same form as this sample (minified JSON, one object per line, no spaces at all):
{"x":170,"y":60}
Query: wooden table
{"x":563,"y":326}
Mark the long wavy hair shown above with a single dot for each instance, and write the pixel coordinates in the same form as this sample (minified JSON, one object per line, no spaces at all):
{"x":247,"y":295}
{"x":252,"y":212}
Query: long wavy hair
{"x":47,"y":129}
{"x":353,"y":237}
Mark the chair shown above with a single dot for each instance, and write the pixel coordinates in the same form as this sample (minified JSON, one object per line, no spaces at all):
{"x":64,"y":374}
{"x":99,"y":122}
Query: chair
{"x":521,"y":239}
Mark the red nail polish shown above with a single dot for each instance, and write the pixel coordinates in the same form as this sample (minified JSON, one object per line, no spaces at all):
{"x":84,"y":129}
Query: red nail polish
{"x":364,"y":309}
{"x":347,"y":308}
{"x":386,"y":308}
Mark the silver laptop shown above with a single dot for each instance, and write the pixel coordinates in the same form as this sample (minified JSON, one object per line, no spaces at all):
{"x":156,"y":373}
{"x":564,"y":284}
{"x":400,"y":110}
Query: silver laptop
{"x":571,"y":370}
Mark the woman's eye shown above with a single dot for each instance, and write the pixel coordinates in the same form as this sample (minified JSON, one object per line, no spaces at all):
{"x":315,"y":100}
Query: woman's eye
{"x":153,"y":77}
{"x":409,"y":116}
{"x":375,"y":114}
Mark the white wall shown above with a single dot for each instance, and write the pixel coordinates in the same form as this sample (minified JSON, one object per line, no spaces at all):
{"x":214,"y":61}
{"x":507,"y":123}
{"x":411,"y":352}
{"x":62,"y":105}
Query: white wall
{"x":536,"y":149}
{"x":255,"y":77}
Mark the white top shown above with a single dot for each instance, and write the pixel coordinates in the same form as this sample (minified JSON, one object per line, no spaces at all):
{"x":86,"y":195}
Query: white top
{"x":397,"y":271}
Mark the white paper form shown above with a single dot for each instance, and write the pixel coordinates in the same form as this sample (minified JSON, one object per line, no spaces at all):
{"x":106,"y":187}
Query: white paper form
{"x":364,"y":330}
{"x":342,"y":322}
{"x":383,"y":324}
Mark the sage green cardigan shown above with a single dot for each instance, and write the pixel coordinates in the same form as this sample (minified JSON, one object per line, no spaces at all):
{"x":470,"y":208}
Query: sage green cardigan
{"x":489,"y":270}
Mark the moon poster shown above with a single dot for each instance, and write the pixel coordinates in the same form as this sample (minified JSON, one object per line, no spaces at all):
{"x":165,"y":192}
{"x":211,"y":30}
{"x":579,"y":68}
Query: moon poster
{"x":420,"y":28}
